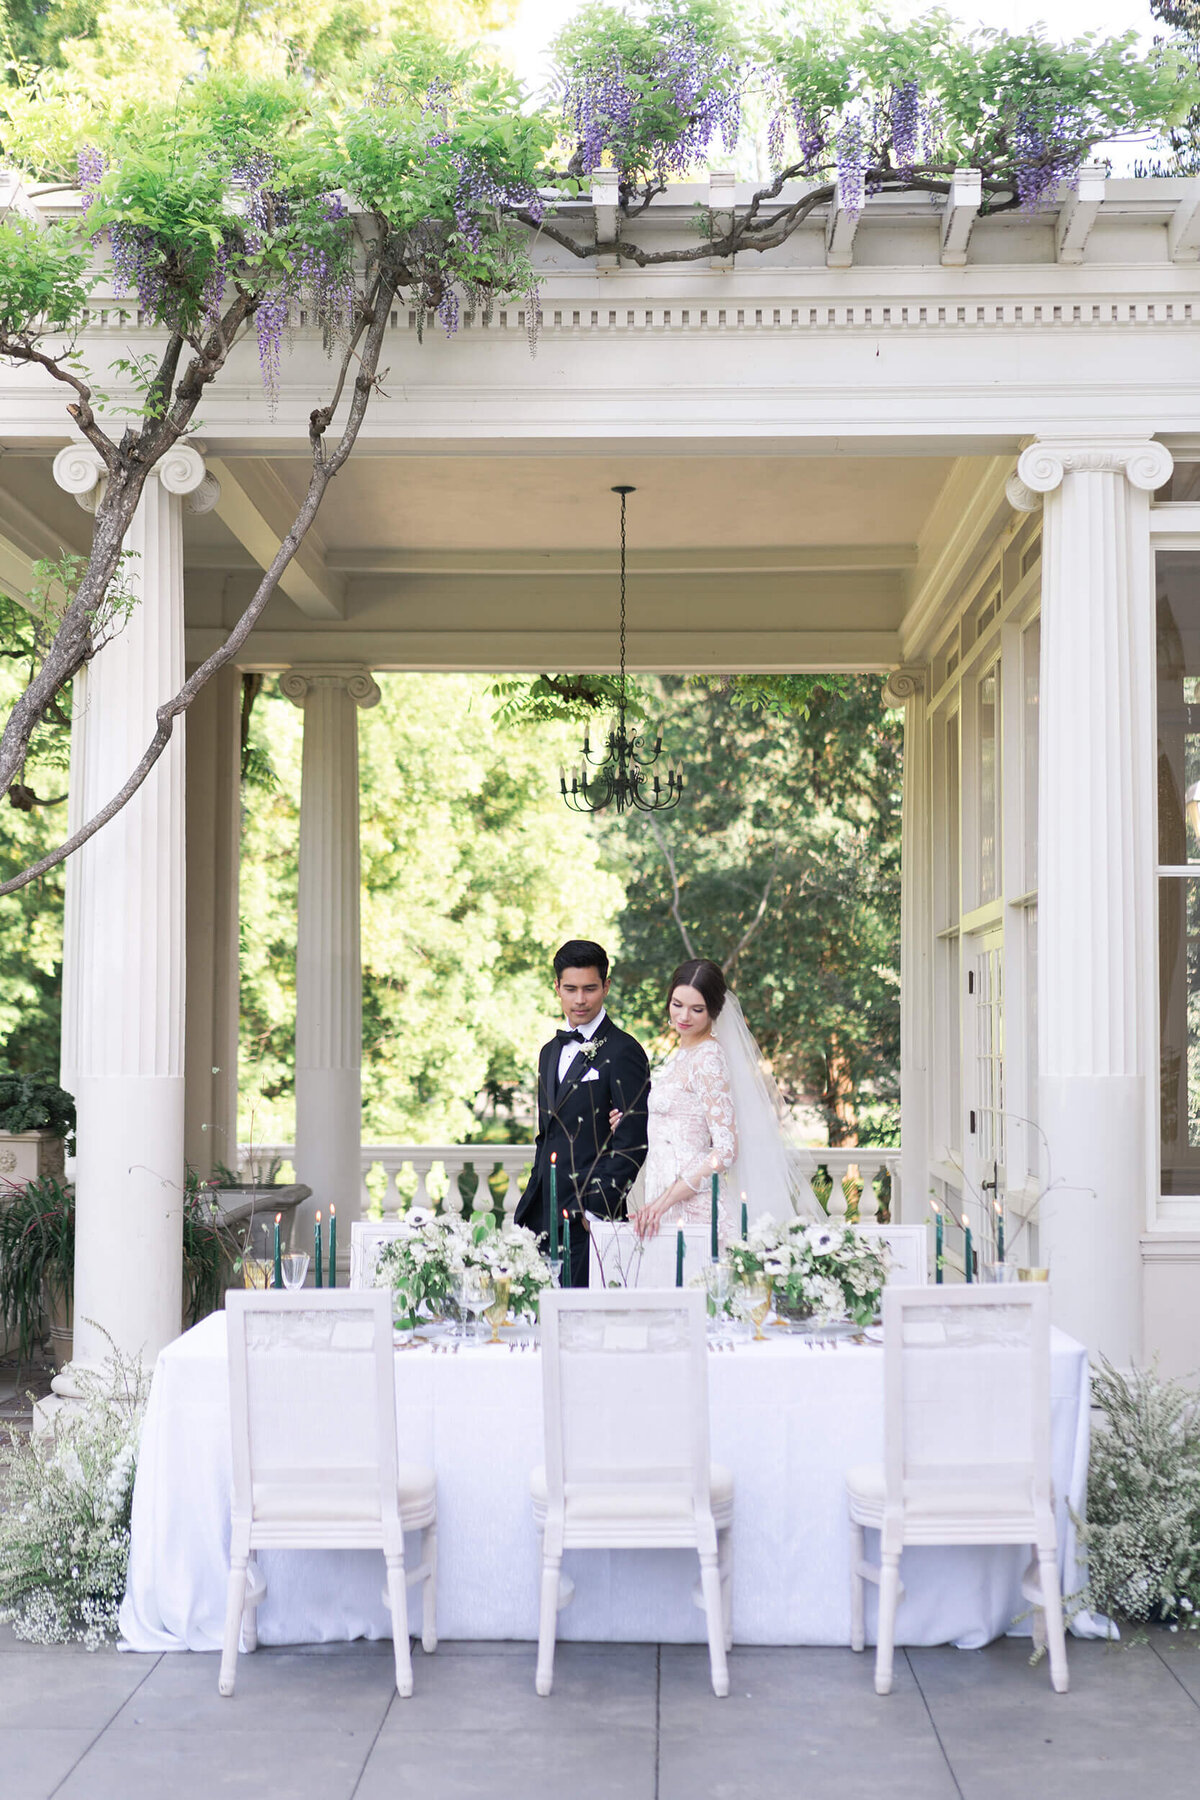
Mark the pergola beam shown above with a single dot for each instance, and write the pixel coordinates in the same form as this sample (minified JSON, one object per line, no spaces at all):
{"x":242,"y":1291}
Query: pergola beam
{"x":844,"y":213}
{"x":1183,"y":231}
{"x":962,"y":208}
{"x":1077,"y":214}
{"x":258,"y":508}
{"x":24,"y":540}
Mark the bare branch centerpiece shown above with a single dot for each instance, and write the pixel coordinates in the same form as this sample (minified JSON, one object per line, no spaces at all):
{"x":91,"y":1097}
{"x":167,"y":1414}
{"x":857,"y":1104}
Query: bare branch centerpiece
{"x":426,"y":1262}
{"x":819,"y":1274}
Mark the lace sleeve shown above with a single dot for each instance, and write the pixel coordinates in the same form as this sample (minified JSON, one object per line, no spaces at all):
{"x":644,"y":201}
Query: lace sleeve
{"x":710,"y":1084}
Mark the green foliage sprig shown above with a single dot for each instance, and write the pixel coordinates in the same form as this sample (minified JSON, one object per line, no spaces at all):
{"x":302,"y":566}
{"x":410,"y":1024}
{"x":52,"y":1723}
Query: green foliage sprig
{"x":64,"y":1528}
{"x":1142,"y":1532}
{"x":35,"y":1103}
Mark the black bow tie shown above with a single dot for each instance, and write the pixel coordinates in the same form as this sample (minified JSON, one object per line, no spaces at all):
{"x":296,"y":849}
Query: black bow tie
{"x":570,"y":1037}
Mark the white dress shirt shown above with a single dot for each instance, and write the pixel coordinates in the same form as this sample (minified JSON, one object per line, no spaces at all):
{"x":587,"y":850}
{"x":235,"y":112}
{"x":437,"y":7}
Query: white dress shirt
{"x":569,"y":1052}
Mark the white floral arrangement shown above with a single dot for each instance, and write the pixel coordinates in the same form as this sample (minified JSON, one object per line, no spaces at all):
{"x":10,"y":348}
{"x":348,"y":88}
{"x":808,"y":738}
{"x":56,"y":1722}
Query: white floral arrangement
{"x":64,"y":1532}
{"x":826,"y":1270}
{"x":429,"y":1256}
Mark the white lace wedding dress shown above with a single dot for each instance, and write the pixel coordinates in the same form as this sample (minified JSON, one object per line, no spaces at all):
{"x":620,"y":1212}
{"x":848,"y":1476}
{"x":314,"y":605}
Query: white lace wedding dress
{"x":692,"y":1132}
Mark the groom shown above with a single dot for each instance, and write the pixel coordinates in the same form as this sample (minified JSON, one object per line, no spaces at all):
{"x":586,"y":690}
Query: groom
{"x":584,"y":1072}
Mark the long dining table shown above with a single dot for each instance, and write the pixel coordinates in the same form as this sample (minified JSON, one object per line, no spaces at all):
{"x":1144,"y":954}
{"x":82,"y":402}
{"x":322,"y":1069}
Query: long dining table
{"x":788,"y":1416}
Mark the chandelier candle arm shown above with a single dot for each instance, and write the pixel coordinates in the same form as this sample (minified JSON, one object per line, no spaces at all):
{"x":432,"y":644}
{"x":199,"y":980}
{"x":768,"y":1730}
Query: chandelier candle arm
{"x":620,"y":771}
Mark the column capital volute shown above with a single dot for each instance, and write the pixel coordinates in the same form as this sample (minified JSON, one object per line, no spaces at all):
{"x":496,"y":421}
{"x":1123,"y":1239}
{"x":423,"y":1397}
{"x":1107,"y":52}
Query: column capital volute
{"x":354,"y":679}
{"x":1041,"y":467}
{"x":903,"y":684}
{"x":80,"y":469}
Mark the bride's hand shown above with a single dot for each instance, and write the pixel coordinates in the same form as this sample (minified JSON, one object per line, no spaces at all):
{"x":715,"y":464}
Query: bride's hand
{"x":648,"y":1221}
{"x":614,"y":1118}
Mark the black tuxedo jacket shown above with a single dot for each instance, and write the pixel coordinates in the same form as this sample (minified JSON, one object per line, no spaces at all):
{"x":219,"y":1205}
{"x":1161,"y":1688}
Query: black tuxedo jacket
{"x":596,"y":1166}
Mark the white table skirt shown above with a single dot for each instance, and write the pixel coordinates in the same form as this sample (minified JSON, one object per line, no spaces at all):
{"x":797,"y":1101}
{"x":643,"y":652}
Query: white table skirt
{"x":788,"y":1419}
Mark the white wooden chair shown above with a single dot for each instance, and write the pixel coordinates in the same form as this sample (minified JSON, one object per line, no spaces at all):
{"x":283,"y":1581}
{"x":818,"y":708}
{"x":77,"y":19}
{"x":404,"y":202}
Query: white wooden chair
{"x":619,"y":1259}
{"x":367,"y":1238}
{"x":625,"y":1386}
{"x":312,"y":1400}
{"x":908,"y":1247}
{"x":966,"y":1448}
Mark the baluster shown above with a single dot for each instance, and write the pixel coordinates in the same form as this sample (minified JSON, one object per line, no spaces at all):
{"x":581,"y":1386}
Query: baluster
{"x":512,"y":1193}
{"x":365,"y":1198}
{"x":454,"y":1202}
{"x":868,"y":1205}
{"x":894,"y":1199}
{"x":391,"y":1197}
{"x":422,"y":1164}
{"x":837,"y":1193}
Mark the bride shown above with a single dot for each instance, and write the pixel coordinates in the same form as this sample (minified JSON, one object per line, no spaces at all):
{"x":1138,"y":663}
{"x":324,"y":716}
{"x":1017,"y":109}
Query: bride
{"x":713,"y":1109}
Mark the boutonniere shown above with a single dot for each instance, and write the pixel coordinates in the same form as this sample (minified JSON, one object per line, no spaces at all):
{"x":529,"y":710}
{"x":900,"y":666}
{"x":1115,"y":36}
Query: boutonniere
{"x":589,"y":1047}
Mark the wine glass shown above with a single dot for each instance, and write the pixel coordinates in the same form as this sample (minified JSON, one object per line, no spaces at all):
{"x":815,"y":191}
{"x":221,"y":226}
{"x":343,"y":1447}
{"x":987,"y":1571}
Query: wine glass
{"x":497,"y":1310}
{"x":717,"y":1286}
{"x":756,"y":1299}
{"x":294,"y":1268}
{"x":476,"y":1291}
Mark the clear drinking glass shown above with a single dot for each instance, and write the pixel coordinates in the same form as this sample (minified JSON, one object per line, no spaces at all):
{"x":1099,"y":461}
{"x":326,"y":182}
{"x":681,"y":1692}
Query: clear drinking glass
{"x":475,"y":1292}
{"x":717,"y":1285}
{"x":294,"y":1267}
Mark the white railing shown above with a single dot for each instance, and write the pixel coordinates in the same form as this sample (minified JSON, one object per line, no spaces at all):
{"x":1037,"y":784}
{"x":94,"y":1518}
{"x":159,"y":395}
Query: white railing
{"x":383,"y":1164}
{"x":855,"y":1170}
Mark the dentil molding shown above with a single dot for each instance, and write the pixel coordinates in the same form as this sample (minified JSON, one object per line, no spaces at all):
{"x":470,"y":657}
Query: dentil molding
{"x":1145,"y":464}
{"x":299,"y":682}
{"x":81,"y":470}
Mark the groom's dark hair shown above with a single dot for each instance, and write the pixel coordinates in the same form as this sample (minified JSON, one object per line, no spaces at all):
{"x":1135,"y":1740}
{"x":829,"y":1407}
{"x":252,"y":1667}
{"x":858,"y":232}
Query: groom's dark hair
{"x":581,"y":953}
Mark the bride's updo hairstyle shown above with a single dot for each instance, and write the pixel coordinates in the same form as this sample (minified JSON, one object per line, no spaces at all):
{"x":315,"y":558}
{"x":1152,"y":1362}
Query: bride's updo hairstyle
{"x":708,"y":980}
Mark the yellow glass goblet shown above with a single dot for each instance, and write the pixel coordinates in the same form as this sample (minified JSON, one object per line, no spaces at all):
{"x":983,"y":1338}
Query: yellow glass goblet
{"x":497,"y":1311}
{"x":757,"y":1302}
{"x":256,"y":1273}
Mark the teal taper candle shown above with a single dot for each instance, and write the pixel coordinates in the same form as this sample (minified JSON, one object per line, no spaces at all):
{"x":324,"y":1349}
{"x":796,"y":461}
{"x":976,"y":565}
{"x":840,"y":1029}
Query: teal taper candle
{"x":939,"y":1245}
{"x":554,"y":1203}
{"x":317,"y":1249}
{"x":566,"y":1267}
{"x":745,"y":1221}
{"x":333,"y":1246}
{"x":716,"y":1200}
{"x":679,"y":1257}
{"x":968,"y":1254}
{"x":278,"y":1252}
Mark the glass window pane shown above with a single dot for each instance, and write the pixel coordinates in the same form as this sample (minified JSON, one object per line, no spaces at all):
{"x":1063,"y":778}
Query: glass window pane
{"x":1031,"y":663}
{"x":1179,"y":1007}
{"x":989,"y":786}
{"x":1179,"y":708}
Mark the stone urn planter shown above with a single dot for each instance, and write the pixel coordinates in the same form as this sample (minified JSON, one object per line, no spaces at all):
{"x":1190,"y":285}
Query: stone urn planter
{"x":29,"y":1155}
{"x":242,"y":1209}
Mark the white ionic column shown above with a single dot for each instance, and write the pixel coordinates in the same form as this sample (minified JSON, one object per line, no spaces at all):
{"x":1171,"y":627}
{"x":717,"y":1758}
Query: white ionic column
{"x":1096,"y":856}
{"x":328,"y":952}
{"x":916,"y":940}
{"x":123,"y":965}
{"x":213,"y":815}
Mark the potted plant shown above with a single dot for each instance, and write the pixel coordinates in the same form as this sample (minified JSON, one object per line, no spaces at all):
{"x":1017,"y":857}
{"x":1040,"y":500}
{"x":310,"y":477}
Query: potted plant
{"x":37,"y":1262}
{"x":36,"y":1118}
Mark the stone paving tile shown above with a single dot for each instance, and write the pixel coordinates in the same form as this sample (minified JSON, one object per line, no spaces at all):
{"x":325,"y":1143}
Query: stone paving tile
{"x":1181,"y":1654}
{"x":1126,"y":1727}
{"x":596,"y":1687}
{"x":563,"y":1760}
{"x":296,"y":1692}
{"x":197,"y":1765}
{"x":52,"y":1686}
{"x":796,"y":1722}
{"x":34,"y":1761}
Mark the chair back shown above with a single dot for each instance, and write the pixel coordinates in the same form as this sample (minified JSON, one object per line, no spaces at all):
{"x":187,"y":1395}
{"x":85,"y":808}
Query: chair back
{"x":967,"y":1388}
{"x":908,"y":1250}
{"x":625,"y":1387}
{"x":620,"y":1259}
{"x":312,"y":1392}
{"x":367,"y":1238}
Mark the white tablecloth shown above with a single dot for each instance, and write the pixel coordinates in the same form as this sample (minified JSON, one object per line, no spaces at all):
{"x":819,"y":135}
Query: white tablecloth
{"x":788,"y":1419}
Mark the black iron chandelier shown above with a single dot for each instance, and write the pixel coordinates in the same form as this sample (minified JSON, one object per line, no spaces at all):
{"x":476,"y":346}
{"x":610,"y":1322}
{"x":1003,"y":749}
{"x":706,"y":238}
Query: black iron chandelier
{"x":624,"y":775}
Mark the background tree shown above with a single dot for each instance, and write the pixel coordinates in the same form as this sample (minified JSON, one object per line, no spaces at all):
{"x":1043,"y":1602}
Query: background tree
{"x":783,"y":865}
{"x":473,"y":874}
